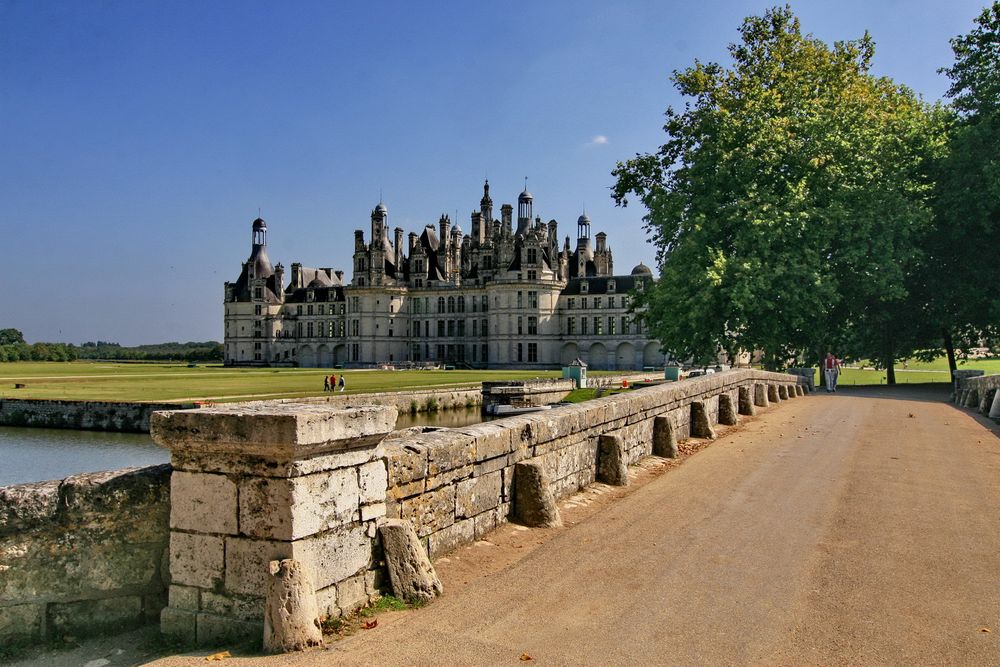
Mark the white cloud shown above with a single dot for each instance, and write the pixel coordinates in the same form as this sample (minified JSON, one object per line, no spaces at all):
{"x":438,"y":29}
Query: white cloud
{"x":599,"y":140}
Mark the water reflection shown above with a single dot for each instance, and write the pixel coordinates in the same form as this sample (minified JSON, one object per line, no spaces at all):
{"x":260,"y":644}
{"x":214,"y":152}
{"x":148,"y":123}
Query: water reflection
{"x":442,"y":418}
{"x":36,"y":454}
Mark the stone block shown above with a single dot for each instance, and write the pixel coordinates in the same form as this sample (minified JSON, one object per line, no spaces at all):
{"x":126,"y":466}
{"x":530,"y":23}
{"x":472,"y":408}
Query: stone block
{"x":247,"y":561}
{"x":276,"y":431}
{"x":290,"y":509}
{"x":216,"y":630}
{"x":326,"y":602}
{"x":443,"y":541}
{"x":534,"y":502}
{"x":196,"y":560}
{"x":431,"y":511}
{"x":450,"y":451}
{"x":772,"y":393}
{"x":372,"y":482}
{"x":88,"y":617}
{"x":727,"y":410}
{"x":184,"y":597}
{"x":261,"y":466}
{"x":491,"y":440}
{"x":373,"y":512}
{"x":336,"y":555}
{"x":406,"y":462}
{"x":760,"y":392}
{"x":477,"y":495}
{"x":203,"y":503}
{"x":701,"y":425}
{"x":409,"y":568}
{"x":611,"y":466}
{"x":488,"y":521}
{"x":490,"y":465}
{"x":21,"y":623}
{"x":239,"y":607}
{"x":179,"y":625}
{"x":449,"y":477}
{"x":783,"y":392}
{"x":352,"y":593}
{"x":26,"y":507}
{"x":664,"y":437}
{"x":400,"y":491}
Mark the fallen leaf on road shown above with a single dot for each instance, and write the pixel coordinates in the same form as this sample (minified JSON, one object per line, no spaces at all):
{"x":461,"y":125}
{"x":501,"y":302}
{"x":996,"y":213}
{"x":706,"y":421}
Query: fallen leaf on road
{"x":911,"y":415}
{"x":525,"y":657}
{"x":219,"y":656}
{"x":368,"y":625}
{"x":985,"y":630}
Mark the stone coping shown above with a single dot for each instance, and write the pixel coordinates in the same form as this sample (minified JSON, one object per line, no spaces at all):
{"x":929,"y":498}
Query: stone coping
{"x":280,"y":431}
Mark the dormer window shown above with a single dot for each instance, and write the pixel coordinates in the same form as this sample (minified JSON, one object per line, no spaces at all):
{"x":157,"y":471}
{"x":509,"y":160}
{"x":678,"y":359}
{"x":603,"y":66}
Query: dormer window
{"x":584,"y":287}
{"x":611,"y":285}
{"x":310,"y":295}
{"x":532,"y":256}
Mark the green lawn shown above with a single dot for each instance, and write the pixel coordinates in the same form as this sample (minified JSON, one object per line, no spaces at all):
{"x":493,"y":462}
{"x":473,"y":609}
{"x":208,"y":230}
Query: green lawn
{"x":913,"y":372}
{"x":176,"y":382}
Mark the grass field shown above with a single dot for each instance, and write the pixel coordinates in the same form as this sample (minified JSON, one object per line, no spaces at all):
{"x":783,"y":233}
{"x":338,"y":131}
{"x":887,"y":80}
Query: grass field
{"x":103,"y":381}
{"x":914,"y":371}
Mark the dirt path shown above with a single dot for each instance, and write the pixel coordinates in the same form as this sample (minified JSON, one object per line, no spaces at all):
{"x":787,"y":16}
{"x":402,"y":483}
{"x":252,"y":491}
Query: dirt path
{"x":857,"y":528}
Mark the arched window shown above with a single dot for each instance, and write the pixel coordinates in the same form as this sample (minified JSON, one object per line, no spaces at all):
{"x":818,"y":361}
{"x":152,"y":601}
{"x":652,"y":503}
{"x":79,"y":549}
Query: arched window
{"x":440,"y":304}
{"x":461,"y":304}
{"x":451,"y":304}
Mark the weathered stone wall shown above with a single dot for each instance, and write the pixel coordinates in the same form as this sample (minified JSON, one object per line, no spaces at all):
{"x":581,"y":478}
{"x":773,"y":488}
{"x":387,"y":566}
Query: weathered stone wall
{"x":422,"y":400}
{"x":978,"y":392}
{"x":455,"y":484}
{"x":86,"y":415}
{"x":83,"y":555}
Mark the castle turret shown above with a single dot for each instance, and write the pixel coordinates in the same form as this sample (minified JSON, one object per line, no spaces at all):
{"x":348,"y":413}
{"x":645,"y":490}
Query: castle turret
{"x":524,"y":206}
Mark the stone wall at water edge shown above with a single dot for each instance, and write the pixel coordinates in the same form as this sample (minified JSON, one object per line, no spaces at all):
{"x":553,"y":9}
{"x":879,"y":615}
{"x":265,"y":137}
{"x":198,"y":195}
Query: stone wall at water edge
{"x":83,"y":555}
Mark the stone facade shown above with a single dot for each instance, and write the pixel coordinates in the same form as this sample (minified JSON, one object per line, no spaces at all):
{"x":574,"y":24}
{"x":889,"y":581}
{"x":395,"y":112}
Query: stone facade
{"x":83,"y":555}
{"x":504,"y":296}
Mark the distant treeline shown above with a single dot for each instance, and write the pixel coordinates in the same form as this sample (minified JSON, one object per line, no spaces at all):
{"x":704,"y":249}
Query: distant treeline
{"x":14,"y":348}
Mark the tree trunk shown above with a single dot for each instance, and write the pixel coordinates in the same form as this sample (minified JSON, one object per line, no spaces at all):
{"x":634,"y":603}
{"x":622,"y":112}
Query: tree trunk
{"x":949,"y":346}
{"x":890,"y":370}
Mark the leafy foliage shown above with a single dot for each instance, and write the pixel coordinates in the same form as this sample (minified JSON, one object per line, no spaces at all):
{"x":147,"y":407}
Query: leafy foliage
{"x":788,"y":202}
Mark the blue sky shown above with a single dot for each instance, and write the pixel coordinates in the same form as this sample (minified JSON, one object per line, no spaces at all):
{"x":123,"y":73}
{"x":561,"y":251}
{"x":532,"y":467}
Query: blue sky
{"x":139,"y":139}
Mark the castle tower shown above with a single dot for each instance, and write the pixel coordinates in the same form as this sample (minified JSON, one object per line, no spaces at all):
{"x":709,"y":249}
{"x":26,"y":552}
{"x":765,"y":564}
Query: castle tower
{"x":260,"y":264}
{"x":484,"y":218}
{"x":524,"y":215}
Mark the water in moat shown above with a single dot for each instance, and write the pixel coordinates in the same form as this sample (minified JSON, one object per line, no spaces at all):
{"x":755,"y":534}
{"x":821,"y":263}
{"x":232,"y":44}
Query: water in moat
{"x":37,"y":454}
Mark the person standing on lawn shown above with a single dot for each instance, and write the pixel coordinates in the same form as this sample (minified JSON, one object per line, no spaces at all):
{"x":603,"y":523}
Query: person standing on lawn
{"x":343,"y":384}
{"x":326,"y":383}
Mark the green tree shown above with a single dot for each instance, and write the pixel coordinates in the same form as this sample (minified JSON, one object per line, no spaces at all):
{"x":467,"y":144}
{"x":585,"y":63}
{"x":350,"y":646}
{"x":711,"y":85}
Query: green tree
{"x":962,"y":273}
{"x":788,"y":200}
{"x":10,"y":337}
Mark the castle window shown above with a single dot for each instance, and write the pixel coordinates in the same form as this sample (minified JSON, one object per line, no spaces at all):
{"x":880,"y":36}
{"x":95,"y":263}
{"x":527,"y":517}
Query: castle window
{"x":440,"y":327}
{"x":309,"y":330}
{"x":520,"y":303}
{"x":611,"y":285}
{"x":484,"y":357}
{"x":475,"y":328}
{"x":440,"y":304}
{"x":611,"y":326}
{"x":298,"y":310}
{"x":310,"y":295}
{"x":532,"y":256}
{"x":474,"y":304}
{"x":461,"y":304}
{"x":570,"y":325}
{"x":256,"y":309}
{"x":258,"y":293}
{"x":461,"y":329}
{"x":309,"y":310}
{"x":583,"y":303}
{"x":486,"y":303}
{"x":571,"y":303}
{"x":597,"y":302}
{"x":583,"y":326}
{"x":451,"y":328}
{"x":532,"y":274}
{"x":520,"y":324}
{"x":625,"y":326}
{"x":584,"y":287}
{"x":532,"y":326}
{"x":451,"y":304}
{"x":598,"y":326}
{"x":532,"y":352}
{"x":520,"y":352}
{"x":532,"y":299}
{"x":611,"y":302}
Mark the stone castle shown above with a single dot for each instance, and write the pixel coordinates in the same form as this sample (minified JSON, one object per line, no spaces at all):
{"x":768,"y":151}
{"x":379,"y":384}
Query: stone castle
{"x":504,"y":296}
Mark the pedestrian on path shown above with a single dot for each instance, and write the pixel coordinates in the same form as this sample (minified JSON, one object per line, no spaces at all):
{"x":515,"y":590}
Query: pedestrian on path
{"x":831,"y":369}
{"x":342,"y":383}
{"x":333,"y":382}
{"x":326,"y":383}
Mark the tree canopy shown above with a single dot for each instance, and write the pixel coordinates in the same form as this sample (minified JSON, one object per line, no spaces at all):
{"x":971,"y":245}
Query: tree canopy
{"x":790,"y":203}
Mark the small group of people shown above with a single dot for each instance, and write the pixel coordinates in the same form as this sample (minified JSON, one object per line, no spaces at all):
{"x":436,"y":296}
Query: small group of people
{"x":332,"y":382}
{"x":831,"y":370}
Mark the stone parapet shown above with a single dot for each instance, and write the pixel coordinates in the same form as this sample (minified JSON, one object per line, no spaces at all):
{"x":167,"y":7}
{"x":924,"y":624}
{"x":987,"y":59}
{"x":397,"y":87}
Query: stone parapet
{"x":83,"y":555}
{"x":81,"y":415}
{"x":263,"y":482}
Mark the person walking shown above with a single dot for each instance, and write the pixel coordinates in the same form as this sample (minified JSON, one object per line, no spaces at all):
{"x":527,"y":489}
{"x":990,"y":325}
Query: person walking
{"x":831,"y":369}
{"x":342,"y":383}
{"x":333,"y":382}
{"x":326,"y":383}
